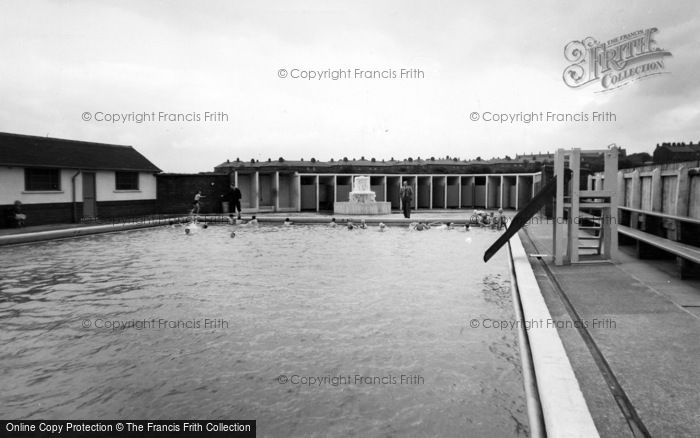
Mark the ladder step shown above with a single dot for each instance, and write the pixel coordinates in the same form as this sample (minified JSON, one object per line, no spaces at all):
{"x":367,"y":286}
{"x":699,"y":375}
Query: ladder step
{"x":588,"y":237}
{"x":589,"y":228}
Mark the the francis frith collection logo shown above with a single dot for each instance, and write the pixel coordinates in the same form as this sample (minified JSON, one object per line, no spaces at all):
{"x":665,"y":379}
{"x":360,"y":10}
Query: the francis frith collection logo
{"x":614,"y":63}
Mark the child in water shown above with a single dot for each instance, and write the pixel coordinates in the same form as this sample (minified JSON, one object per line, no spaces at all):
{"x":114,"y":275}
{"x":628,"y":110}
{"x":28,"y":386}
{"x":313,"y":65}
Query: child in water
{"x":420,"y":226}
{"x":501,"y":220}
{"x":192,"y":228}
{"x":287,"y":222}
{"x":332,"y":223}
{"x":382,"y":227}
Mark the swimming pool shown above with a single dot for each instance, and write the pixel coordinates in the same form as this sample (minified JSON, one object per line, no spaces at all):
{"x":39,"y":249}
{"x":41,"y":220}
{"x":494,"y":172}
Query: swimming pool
{"x":265,"y":326}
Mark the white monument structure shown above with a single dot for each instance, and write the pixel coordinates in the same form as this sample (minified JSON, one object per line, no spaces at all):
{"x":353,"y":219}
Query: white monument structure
{"x":362,"y":200}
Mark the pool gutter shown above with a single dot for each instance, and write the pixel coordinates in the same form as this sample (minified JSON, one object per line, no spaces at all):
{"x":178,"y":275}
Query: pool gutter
{"x":38,"y":236}
{"x":561,"y":410}
{"x":532,"y":398}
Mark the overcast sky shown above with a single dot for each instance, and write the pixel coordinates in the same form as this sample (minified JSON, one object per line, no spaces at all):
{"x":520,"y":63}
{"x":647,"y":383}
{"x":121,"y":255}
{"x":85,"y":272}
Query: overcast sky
{"x":60,"y":59}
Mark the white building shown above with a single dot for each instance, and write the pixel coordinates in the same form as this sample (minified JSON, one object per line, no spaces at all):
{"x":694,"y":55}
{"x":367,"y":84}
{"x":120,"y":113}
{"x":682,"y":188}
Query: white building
{"x":60,"y":181}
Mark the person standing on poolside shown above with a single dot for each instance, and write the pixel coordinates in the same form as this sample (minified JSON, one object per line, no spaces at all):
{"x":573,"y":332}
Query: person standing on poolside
{"x":195,"y":203}
{"x":236,"y":200}
{"x":406,"y":195}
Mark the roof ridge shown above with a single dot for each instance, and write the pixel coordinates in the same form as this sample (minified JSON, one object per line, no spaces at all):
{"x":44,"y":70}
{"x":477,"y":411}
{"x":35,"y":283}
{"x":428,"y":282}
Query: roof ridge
{"x":66,"y":139}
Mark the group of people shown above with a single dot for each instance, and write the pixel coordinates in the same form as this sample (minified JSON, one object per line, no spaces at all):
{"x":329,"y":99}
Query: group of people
{"x":491,"y":220}
{"x":233,"y":197}
{"x":413,"y":226}
{"x":480,"y":217}
{"x":422,"y":226}
{"x":350,"y":225}
{"x":238,"y":221}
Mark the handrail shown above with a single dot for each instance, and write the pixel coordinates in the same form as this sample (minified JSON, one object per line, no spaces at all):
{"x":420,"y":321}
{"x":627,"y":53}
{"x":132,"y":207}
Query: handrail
{"x":659,"y":214}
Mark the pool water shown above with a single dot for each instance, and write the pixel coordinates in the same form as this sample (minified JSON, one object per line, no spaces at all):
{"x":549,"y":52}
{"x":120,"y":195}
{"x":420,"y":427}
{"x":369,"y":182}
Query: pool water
{"x":229,"y":316}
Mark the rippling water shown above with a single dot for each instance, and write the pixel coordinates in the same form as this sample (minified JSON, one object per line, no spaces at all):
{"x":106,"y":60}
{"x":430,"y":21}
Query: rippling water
{"x":301,"y":301}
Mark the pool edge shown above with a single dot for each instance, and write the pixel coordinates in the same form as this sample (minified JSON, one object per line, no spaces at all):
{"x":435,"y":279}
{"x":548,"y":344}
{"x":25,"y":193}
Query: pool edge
{"x":66,"y":233}
{"x":564,"y":409}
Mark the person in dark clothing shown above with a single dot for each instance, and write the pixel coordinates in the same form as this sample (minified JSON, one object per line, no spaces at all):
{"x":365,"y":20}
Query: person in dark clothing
{"x":235,"y":199}
{"x":406,"y":195}
{"x":18,"y":215}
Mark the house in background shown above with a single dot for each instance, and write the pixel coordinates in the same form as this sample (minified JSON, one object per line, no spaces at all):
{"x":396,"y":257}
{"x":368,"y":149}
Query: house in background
{"x":676,"y":152}
{"x":63,"y":181}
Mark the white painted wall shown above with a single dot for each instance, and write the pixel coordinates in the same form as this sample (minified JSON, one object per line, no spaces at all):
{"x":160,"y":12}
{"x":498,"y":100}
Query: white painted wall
{"x":106,"y":187}
{"x":12,"y":188}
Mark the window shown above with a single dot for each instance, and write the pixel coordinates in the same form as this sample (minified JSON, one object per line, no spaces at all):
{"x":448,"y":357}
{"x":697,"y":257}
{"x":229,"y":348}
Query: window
{"x":127,"y":180}
{"x":42,"y":179}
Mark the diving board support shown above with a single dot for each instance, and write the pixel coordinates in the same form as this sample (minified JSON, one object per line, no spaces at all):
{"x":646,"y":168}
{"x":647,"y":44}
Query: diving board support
{"x":596,"y":206}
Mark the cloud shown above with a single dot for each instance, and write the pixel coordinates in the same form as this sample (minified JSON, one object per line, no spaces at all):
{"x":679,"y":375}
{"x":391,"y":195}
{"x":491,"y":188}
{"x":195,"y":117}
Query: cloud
{"x":61,"y":59}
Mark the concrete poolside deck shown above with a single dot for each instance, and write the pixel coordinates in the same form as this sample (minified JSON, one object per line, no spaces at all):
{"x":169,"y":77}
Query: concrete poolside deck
{"x":644,"y":321}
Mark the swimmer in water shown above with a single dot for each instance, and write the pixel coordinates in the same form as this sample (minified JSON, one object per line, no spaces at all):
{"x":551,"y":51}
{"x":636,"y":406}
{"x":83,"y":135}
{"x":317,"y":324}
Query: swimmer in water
{"x":501,"y":219}
{"x":382,"y":227}
{"x":231,"y":220}
{"x":440,"y":225}
{"x":332,"y":223}
{"x":287,"y":222}
{"x":422,"y":227}
{"x":351,"y":226}
{"x":233,"y":234}
{"x":466,"y":227}
{"x":253,"y":220}
{"x":363,"y":224}
{"x":473,"y":219}
{"x":492,"y":221}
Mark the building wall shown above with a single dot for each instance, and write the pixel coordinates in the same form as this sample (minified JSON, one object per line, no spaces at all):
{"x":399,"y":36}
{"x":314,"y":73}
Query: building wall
{"x":479,"y":196}
{"x":48,"y":207}
{"x":285,"y":192}
{"x":677,"y":192}
{"x":694,"y":202}
{"x":40,"y":214}
{"x":311,"y":191}
{"x":106,"y":187}
{"x":120,"y":209}
{"x":308,"y":196}
{"x":175,"y":192}
{"x":246,"y":184}
{"x":525,"y":188}
{"x":343,"y":191}
{"x":12,"y":188}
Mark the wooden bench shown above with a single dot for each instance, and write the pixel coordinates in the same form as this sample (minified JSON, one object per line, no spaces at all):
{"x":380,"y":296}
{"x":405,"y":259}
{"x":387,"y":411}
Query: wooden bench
{"x":685,"y":253}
